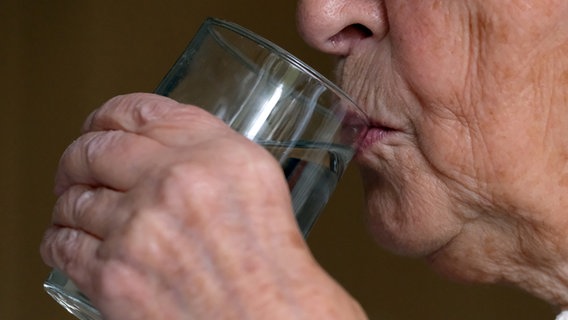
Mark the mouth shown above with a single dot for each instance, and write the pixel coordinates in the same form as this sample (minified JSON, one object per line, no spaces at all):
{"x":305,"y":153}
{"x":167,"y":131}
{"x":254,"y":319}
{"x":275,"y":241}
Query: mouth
{"x":376,"y":134}
{"x":372,"y":132}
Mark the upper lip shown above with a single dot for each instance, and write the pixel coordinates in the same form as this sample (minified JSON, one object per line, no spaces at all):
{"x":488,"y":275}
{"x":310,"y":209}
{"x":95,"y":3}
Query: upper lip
{"x":381,"y":124}
{"x":380,"y":118}
{"x":377,"y":113}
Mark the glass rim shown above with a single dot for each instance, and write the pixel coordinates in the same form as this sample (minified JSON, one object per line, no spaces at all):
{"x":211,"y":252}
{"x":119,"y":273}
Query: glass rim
{"x":287,"y":56}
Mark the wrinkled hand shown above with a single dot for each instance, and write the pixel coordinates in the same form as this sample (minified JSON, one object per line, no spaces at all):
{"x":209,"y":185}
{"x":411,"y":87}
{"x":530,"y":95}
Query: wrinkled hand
{"x":164,"y":212}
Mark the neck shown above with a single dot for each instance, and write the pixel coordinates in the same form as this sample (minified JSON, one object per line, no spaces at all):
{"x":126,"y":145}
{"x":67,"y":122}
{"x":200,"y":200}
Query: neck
{"x":539,"y":261}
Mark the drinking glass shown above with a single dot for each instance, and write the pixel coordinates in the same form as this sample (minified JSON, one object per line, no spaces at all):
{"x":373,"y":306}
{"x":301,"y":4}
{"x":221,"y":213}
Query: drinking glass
{"x":308,"y":124}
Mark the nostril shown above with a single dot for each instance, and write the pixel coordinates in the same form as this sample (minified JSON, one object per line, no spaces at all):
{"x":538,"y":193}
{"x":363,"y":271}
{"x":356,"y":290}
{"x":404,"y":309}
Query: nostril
{"x":354,"y":31}
{"x":344,"y":39}
{"x":363,"y":31}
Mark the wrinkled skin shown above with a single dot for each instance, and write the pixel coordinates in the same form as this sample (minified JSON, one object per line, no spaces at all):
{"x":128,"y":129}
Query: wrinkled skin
{"x":153,"y":222}
{"x":464,"y":165}
{"x":472,"y":171}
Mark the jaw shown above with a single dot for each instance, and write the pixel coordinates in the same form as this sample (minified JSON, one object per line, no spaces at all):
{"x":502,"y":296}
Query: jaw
{"x":409,"y":211}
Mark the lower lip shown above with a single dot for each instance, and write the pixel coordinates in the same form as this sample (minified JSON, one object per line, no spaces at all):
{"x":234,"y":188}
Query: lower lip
{"x":375,"y":135}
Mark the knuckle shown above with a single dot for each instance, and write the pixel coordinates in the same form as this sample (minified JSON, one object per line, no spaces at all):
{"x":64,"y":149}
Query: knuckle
{"x":135,"y":109}
{"x":150,"y":110}
{"x":189,"y":192}
{"x":93,"y":147}
{"x":59,"y":208}
{"x":158,"y":112}
{"x":144,"y":108}
{"x":69,"y":161}
{"x":83,"y":150}
{"x":189,"y":178}
{"x":139,"y":240}
{"x":82,"y":206}
{"x":100,"y":116}
{"x":73,"y":206}
{"x":98,"y":145}
{"x":87,"y":153}
{"x":59,"y":248}
{"x":46,"y":247}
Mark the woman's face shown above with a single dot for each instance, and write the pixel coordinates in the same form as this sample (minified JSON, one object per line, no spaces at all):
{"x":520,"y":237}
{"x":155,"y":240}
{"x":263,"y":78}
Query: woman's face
{"x":465,"y":161}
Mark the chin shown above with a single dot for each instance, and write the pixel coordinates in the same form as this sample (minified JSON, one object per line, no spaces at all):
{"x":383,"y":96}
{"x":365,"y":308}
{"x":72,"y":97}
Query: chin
{"x":407,"y":221}
{"x":408,"y":240}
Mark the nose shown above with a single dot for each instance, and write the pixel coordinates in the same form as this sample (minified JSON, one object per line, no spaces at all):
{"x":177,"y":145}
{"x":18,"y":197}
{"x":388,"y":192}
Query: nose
{"x":336,"y":26}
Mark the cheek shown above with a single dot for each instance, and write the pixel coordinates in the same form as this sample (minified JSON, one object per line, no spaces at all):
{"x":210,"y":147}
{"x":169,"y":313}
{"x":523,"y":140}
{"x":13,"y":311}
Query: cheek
{"x":446,"y":142}
{"x":431,"y":48}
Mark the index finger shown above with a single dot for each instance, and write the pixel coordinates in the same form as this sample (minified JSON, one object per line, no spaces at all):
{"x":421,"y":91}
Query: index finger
{"x":157,"y":117}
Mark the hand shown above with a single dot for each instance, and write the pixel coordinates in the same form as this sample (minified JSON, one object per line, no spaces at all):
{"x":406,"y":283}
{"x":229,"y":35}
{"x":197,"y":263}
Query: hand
{"x":165,"y":212}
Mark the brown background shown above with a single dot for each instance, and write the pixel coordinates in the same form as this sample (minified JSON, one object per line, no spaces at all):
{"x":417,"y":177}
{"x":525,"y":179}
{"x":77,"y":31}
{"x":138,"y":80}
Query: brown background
{"x":60,"y":59}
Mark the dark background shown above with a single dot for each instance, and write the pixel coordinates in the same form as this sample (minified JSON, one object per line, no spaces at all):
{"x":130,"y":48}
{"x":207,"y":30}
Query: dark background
{"x":61,"y":59}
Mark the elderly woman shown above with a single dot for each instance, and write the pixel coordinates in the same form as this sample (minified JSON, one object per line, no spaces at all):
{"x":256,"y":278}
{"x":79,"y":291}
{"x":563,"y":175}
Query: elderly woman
{"x":465,"y":165}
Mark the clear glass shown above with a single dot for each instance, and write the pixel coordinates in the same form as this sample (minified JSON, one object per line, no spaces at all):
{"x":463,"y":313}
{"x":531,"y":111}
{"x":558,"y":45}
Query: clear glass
{"x":263,"y":92}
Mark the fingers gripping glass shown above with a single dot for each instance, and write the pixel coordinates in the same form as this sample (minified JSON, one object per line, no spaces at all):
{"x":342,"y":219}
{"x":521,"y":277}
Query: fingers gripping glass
{"x":308,"y":124}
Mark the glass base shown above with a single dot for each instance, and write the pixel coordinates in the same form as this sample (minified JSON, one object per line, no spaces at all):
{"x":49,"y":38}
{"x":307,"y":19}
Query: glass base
{"x":60,"y":288}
